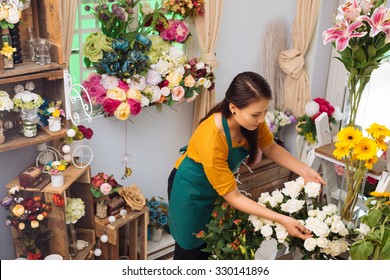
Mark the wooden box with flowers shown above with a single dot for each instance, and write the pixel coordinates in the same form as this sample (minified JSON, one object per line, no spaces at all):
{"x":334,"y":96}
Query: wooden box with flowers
{"x":53,"y":209}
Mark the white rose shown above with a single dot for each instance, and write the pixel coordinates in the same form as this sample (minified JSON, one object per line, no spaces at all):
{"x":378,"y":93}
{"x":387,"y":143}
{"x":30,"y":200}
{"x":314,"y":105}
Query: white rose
{"x":153,"y":77}
{"x":292,"y":189}
{"x":300,"y":181}
{"x":322,"y":242}
{"x":266,"y":231}
{"x":337,"y":247}
{"x":363,"y":229}
{"x":256,"y":222}
{"x":138,"y":82}
{"x":281,"y":234}
{"x":278,"y":196}
{"x":312,"y":213}
{"x":207,"y":84}
{"x":264,"y":198}
{"x":13,"y":15}
{"x":337,"y":226}
{"x":311,"y":223}
{"x":156,"y":93}
{"x":109,"y":82}
{"x":321,"y":216}
{"x":312,"y":189}
{"x":337,"y":114}
{"x":310,"y":244}
{"x":200,"y":65}
{"x":329,"y":209}
{"x":165,"y":91}
{"x":344,"y":232}
{"x":312,"y":108}
{"x":176,"y":54}
{"x":272,"y":202}
{"x":321,"y":230}
{"x":144,"y":101}
{"x":292,"y":205}
{"x":163,"y":67}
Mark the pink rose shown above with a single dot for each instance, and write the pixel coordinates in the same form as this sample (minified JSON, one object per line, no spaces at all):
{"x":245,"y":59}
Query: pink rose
{"x":135,"y":106}
{"x":105,"y":188}
{"x":177,"y":93}
{"x":123,"y":85}
{"x":110,"y":105}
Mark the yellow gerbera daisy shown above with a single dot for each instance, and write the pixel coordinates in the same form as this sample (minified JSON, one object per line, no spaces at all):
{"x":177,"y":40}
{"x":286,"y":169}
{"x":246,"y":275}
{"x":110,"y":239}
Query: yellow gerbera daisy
{"x":366,"y":149}
{"x":380,"y":194}
{"x":350,"y":136}
{"x":369,"y":164}
{"x":342,"y":150}
{"x":381,"y":143}
{"x":377,"y":130}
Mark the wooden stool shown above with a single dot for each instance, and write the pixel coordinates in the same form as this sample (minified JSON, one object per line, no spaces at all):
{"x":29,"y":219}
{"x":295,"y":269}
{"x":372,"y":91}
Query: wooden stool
{"x":137,"y":221}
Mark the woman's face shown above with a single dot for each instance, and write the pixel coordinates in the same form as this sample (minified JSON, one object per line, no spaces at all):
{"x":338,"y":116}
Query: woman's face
{"x":251,"y":116}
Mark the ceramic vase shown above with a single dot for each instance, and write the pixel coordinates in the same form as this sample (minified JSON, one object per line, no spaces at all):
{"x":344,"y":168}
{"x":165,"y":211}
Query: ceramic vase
{"x":155,"y":234}
{"x":57,"y":180}
{"x":54,"y":123}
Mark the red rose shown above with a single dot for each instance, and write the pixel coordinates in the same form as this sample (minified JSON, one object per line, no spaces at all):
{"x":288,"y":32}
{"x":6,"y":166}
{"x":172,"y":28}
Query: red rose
{"x":58,"y":200}
{"x":97,"y":182}
{"x":110,"y":105}
{"x":135,"y":106}
{"x":28,"y":204}
{"x":88,"y":133}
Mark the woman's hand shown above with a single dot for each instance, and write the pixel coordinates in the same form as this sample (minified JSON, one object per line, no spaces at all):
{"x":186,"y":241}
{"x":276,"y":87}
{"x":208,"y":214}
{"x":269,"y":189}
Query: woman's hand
{"x":310,"y":175}
{"x":295,"y":228}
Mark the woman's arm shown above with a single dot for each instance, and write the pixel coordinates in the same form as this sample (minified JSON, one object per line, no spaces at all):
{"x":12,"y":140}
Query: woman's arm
{"x":282,"y":157}
{"x":247,"y":205}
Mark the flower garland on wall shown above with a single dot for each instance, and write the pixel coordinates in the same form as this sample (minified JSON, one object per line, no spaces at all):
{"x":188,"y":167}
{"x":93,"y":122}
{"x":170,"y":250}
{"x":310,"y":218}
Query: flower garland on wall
{"x":145,"y":65}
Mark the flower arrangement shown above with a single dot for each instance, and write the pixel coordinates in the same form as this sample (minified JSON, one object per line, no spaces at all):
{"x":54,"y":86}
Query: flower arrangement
{"x":158,"y":212}
{"x":52,"y":109}
{"x":6,"y":103}
{"x":25,"y":98}
{"x":373,"y":235}
{"x":185,"y":8}
{"x":299,"y":200}
{"x":306,"y":124}
{"x":10,"y":12}
{"x":143,"y":66}
{"x":79,"y":132}
{"x":29,"y":217}
{"x":7,"y":50}
{"x":74,"y":210}
{"x":359,"y":154}
{"x":104,"y":185}
{"x":361,"y":37}
{"x":276,"y":119}
{"x":56,"y":167}
{"x":230,"y":235}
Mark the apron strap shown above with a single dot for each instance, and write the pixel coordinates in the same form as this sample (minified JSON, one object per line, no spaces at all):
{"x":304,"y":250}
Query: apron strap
{"x":183,"y":150}
{"x":227,"y":132}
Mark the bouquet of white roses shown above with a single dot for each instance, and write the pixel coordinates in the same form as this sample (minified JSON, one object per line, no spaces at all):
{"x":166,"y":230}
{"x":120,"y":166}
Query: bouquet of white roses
{"x":298,"y":200}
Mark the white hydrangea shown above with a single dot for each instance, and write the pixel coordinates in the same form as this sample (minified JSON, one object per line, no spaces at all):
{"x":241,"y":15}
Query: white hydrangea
{"x":312,"y":108}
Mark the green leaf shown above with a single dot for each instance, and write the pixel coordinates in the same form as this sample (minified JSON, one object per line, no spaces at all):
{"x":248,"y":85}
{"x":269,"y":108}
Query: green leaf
{"x":87,"y":62}
{"x":385,"y":252}
{"x":373,"y":217}
{"x":361,"y":251}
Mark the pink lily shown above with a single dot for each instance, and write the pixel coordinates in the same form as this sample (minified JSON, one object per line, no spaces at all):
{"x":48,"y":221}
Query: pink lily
{"x":342,"y":33}
{"x":350,"y":11}
{"x":379,"y":22}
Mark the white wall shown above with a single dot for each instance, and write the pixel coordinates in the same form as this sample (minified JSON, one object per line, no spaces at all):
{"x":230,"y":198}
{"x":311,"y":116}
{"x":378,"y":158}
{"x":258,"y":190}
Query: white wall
{"x":154,"y":140}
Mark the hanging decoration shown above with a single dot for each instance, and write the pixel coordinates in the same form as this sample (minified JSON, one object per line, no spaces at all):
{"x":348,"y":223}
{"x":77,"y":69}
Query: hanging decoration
{"x":126,"y":158}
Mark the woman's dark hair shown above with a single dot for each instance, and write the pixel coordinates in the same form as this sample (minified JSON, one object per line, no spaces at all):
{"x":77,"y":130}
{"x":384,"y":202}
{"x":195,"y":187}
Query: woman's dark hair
{"x":246,"y":88}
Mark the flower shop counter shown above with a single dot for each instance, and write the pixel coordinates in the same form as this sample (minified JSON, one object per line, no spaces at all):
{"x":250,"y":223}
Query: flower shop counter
{"x":125,"y":233}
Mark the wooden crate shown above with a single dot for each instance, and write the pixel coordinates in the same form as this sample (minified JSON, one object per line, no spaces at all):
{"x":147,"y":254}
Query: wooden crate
{"x":137,"y":223}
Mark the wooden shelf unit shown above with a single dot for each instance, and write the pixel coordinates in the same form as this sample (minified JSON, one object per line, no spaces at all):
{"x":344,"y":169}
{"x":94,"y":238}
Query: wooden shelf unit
{"x":128,"y":232}
{"x":76,"y":185}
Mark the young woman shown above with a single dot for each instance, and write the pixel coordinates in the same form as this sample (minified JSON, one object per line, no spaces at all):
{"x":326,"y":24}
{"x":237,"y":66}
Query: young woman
{"x":232,"y":130}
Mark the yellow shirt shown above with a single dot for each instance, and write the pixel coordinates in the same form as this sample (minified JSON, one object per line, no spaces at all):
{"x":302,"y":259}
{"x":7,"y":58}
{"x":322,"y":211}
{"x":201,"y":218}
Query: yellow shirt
{"x":208,"y":146}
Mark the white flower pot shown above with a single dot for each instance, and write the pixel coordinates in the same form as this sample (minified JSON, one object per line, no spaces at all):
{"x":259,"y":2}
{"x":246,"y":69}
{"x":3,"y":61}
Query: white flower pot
{"x":54,"y":123}
{"x":57,"y":180}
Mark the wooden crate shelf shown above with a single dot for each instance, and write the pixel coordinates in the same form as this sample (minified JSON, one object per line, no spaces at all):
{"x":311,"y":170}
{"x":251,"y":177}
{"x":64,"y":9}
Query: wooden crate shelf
{"x":137,"y":222}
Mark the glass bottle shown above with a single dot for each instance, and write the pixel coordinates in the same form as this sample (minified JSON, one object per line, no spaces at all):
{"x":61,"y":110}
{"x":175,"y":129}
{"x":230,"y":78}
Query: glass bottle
{"x":6,"y":41}
{"x":29,"y":48}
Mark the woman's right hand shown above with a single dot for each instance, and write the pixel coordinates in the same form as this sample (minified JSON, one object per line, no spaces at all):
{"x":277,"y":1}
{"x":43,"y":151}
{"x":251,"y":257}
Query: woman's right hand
{"x":295,"y":228}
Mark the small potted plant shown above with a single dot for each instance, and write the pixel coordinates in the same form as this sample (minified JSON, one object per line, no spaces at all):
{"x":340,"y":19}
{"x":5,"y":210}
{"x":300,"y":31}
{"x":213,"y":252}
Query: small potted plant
{"x":158,"y":217}
{"x":53,"y":112}
{"x":55,"y":169}
{"x":28,"y":103}
{"x":102,"y":186}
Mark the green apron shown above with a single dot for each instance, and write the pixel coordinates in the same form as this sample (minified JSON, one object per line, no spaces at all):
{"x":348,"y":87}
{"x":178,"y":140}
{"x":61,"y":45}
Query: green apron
{"x":192,"y":196}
